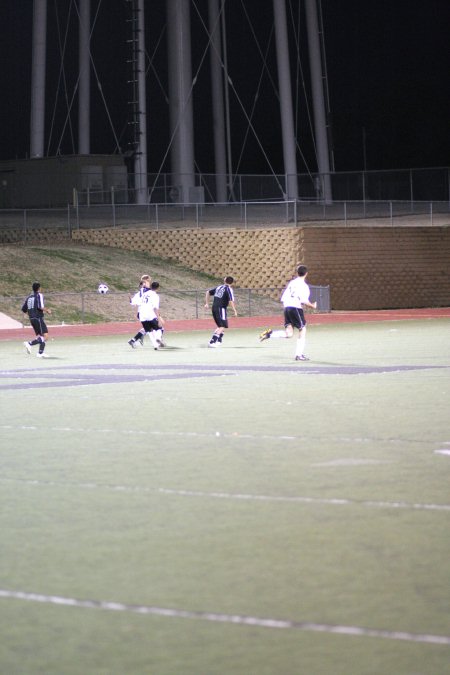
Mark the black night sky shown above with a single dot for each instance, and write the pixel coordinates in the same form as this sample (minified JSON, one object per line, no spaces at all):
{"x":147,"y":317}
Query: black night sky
{"x":388,"y":77}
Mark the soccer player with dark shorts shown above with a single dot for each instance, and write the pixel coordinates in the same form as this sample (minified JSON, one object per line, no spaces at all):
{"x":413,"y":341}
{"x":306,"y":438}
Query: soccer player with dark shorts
{"x":222,"y":297}
{"x":144,"y":285}
{"x":147,"y":312}
{"x":34,"y":307}
{"x":295,"y":296}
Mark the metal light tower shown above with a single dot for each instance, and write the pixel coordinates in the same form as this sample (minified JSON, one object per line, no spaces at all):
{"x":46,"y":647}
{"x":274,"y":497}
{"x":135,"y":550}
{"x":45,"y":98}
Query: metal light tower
{"x":323,"y":156}
{"x":84,"y":94}
{"x":180,"y":99}
{"x":284,"y":81}
{"x":37,"y":123}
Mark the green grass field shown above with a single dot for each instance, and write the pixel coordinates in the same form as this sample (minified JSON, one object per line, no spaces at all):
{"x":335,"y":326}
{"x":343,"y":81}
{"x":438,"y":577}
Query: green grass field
{"x":214,"y":512}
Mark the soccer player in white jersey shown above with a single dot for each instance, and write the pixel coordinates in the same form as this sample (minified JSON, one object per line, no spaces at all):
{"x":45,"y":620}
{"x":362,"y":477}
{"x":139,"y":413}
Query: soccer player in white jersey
{"x":295,"y":296}
{"x":155,"y":295}
{"x":144,"y":300}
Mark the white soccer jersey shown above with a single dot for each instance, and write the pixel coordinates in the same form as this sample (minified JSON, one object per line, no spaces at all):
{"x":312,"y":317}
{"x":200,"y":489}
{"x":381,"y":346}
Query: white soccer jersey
{"x":295,"y":293}
{"x":146,"y":305}
{"x":155,"y":298}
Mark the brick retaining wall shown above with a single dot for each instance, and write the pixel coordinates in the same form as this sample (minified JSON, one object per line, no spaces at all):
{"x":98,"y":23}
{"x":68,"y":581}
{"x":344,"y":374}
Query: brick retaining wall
{"x":366,"y":267}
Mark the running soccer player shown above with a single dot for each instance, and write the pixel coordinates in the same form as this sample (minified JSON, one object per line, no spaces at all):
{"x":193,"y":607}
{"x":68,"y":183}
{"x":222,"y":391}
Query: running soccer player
{"x":144,"y":285}
{"x":34,"y":307}
{"x":145,"y":302}
{"x":223,"y":296}
{"x":155,"y":295}
{"x":295,"y":296}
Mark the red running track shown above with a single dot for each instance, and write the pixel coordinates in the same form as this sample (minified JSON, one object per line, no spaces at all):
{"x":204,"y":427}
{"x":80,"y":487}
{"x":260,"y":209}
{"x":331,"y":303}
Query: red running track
{"x":129,"y":328}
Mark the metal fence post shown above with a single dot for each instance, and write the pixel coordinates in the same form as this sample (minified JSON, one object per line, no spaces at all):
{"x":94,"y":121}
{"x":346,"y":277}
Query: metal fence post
{"x":25,"y":225}
{"x":390,"y":213}
{"x":82,"y":307}
{"x":75,"y":203}
{"x":411,"y":190}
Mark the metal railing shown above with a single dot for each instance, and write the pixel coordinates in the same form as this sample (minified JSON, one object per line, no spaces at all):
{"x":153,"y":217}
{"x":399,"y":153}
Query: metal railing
{"x":96,"y":185}
{"x":17,"y":225}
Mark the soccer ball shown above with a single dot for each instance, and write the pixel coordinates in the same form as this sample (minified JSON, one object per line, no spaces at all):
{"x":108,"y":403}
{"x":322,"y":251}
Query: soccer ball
{"x":102,"y":289}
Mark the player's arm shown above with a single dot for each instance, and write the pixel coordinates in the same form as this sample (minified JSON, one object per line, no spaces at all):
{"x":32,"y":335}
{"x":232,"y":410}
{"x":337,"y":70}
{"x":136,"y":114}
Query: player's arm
{"x":42,"y":306}
{"x":207,"y":294}
{"x":158,"y":316}
{"x":233,"y":306}
{"x":311,"y":305}
{"x":136,"y":299}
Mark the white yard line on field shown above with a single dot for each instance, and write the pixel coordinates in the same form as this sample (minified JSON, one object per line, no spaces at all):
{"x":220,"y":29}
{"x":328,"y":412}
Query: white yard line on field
{"x":234,"y":435}
{"x":235,"y":619}
{"x":294,"y":499}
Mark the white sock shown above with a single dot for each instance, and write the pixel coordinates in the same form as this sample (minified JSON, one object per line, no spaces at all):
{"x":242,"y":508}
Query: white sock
{"x":300,"y":347}
{"x":153,"y":339}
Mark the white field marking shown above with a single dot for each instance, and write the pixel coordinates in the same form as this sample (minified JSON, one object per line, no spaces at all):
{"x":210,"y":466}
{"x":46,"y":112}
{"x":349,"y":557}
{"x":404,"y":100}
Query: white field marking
{"x":236,"y":619}
{"x":235,"y":435}
{"x":336,"y":501}
{"x":147,"y":432}
{"x":442,"y":452}
{"x":352,"y":461}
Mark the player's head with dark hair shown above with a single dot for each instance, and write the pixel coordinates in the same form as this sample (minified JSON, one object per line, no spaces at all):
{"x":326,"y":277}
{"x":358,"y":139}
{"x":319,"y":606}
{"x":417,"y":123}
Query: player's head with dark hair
{"x":36,"y":286}
{"x":301,"y":270}
{"x":229,"y":280}
{"x":155,"y":285}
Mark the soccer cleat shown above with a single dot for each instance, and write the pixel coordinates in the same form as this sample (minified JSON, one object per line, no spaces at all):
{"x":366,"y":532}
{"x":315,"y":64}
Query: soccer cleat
{"x":141,"y":341}
{"x":42,"y":355}
{"x":212,"y":344}
{"x":131,"y":343}
{"x":265,"y":335}
{"x":27,"y":347}
{"x":301,"y":358}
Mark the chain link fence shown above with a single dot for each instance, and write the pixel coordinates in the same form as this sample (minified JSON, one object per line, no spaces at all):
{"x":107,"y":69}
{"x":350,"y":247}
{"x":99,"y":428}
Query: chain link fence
{"x":93,"y":307}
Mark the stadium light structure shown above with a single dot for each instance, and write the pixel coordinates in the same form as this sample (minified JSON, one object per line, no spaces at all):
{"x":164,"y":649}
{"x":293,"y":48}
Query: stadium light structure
{"x":181,"y":95}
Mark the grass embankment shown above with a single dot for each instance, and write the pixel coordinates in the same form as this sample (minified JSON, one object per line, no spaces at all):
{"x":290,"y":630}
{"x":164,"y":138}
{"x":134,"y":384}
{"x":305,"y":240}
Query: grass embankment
{"x":70,"y":274}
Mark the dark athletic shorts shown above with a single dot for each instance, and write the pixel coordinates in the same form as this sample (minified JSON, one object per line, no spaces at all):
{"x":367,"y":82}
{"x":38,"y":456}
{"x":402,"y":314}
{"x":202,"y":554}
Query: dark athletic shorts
{"x":220,"y":316}
{"x":39,"y":326}
{"x":148,"y":326}
{"x":295,"y":317}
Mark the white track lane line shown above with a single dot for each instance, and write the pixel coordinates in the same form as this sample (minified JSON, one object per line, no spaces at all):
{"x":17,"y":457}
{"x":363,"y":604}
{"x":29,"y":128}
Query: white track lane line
{"x":226,"y":618}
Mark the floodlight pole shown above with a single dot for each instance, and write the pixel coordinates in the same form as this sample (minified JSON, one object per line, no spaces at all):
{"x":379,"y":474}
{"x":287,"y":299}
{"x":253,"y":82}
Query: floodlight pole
{"x":37,"y":122}
{"x":84,"y":98}
{"x":284,"y":83}
{"x":140,"y":165}
{"x":180,"y":99}
{"x":315,"y":61}
{"x":217,"y":100}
